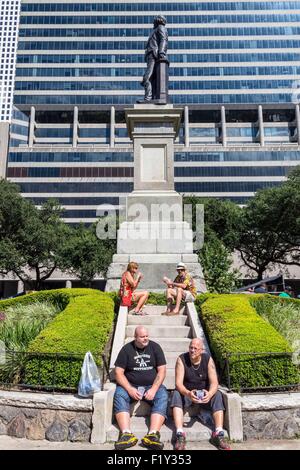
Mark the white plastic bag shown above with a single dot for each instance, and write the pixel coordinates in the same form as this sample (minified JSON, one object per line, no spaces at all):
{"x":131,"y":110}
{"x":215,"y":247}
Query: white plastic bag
{"x":90,"y":380}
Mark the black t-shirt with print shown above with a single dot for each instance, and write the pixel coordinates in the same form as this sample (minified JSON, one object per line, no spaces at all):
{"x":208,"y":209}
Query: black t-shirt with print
{"x":140,"y":364}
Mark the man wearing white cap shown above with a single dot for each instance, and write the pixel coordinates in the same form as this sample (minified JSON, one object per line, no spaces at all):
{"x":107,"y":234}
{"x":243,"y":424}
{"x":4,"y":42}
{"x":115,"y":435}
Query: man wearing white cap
{"x":182,"y":288}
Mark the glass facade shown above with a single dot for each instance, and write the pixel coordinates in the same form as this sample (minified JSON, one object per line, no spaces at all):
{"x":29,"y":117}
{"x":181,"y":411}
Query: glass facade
{"x":90,"y":55}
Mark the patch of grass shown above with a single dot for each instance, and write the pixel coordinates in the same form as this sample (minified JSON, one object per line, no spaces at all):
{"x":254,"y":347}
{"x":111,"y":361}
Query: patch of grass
{"x":282,"y":314}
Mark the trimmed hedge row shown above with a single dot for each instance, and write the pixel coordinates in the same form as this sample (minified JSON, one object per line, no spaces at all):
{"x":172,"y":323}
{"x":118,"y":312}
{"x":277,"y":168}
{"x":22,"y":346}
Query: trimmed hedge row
{"x":233,"y":326}
{"x":83,"y":325}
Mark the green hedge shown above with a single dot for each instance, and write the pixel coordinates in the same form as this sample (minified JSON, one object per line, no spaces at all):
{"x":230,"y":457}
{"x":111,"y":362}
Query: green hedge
{"x":83,"y":325}
{"x":233,"y":326}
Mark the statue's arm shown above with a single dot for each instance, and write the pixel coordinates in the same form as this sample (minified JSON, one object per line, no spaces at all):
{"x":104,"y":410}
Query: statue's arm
{"x":162,"y":34}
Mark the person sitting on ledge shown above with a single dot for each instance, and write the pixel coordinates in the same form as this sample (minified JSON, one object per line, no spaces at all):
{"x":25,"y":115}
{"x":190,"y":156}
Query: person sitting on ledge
{"x":140,"y":370}
{"x":197,"y":384}
{"x":128,"y":285}
{"x":182,"y":288}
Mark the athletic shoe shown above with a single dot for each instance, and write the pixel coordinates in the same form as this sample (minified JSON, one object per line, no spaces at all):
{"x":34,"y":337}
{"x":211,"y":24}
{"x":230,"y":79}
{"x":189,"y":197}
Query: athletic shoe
{"x":218,"y":440}
{"x":126,"y":440}
{"x":180,"y":443}
{"x":152,"y":441}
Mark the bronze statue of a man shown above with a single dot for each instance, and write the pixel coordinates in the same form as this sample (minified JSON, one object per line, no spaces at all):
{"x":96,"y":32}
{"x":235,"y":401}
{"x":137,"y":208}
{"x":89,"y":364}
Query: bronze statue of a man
{"x":156,"y":50}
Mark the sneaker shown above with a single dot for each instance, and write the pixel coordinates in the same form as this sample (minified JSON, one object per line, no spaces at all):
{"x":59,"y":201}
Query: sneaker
{"x":180,"y":443}
{"x":126,"y":440}
{"x":218,"y":440}
{"x":152,"y":441}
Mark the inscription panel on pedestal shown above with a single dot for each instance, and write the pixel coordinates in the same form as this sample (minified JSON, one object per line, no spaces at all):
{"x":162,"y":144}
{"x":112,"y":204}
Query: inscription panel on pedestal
{"x":153,"y":163}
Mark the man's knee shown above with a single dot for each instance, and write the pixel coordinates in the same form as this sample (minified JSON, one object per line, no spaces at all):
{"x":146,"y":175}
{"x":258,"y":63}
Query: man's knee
{"x":217,"y":403}
{"x":121,"y":400}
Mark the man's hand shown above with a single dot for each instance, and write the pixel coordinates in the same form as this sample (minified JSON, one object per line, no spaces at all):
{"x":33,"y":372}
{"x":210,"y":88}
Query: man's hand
{"x":162,"y":55}
{"x":150,"y":394}
{"x":134,"y":393}
{"x":192,"y":395}
{"x":207,"y":397}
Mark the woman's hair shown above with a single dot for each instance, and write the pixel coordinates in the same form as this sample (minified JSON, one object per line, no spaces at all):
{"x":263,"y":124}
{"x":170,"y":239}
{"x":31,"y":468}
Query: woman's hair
{"x":131,"y":266}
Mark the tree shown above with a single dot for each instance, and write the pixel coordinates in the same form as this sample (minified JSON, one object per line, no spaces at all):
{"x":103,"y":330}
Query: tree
{"x":31,"y":239}
{"x":216,"y":262}
{"x":221,"y":217}
{"x":270,"y":227}
{"x":84,"y":255}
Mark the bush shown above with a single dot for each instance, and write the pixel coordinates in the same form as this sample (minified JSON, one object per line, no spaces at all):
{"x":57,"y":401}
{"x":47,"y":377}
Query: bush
{"x":282,"y":313}
{"x":83,"y":325}
{"x":233,"y":326}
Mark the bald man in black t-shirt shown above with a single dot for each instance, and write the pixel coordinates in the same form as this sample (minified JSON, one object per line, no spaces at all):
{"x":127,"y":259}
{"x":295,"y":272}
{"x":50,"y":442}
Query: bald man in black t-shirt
{"x":140,"y":370}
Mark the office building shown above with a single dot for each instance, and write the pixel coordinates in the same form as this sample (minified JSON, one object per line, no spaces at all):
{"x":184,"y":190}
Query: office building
{"x":234,"y":70}
{"x":9,"y":23}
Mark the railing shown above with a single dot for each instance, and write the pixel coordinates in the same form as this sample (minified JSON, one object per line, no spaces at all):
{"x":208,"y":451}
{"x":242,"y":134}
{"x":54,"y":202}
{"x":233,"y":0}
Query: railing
{"x":45,"y":371}
{"x":234,"y":373}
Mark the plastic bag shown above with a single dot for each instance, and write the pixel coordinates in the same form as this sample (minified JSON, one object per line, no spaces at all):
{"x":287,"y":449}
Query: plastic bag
{"x":90,"y":380}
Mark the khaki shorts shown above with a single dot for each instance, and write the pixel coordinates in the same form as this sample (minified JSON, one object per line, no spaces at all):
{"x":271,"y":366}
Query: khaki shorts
{"x":189,"y":297}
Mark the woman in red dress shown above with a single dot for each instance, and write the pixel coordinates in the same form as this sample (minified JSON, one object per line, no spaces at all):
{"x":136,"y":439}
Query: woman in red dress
{"x":129,"y":283}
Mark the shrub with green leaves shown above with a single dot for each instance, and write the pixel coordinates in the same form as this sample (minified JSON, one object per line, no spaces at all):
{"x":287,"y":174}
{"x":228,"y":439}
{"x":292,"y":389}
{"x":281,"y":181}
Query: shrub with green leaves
{"x":84,"y":325}
{"x":58,"y":350}
{"x":233,"y":327}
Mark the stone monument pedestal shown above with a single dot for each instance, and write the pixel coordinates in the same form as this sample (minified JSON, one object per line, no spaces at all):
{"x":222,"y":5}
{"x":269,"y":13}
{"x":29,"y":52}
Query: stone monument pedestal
{"x":154,"y":234}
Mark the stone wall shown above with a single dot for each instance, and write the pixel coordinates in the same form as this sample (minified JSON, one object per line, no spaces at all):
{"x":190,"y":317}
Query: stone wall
{"x":271,"y":416}
{"x":45,"y":416}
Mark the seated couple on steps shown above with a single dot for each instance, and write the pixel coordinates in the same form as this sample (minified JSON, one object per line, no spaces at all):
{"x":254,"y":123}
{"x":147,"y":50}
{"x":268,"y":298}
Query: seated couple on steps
{"x":140,"y":371}
{"x":181,"y":289}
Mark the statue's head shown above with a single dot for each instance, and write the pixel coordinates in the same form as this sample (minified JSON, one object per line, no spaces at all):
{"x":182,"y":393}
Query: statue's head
{"x":159,"y":19}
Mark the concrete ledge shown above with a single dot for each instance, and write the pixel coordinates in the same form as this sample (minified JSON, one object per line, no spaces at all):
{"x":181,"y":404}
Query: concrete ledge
{"x":196,"y":327}
{"x":233,"y":415}
{"x":119,"y":337}
{"x":102,"y":413}
{"x":45,"y":401}
{"x":270,"y":401}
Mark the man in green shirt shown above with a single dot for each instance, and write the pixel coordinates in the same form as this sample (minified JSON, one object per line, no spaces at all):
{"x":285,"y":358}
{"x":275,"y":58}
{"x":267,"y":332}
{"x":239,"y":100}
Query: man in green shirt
{"x":287,"y":292}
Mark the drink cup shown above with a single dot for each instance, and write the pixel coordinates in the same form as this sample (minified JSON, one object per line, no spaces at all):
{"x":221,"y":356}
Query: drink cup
{"x":141,"y":391}
{"x":200,"y":394}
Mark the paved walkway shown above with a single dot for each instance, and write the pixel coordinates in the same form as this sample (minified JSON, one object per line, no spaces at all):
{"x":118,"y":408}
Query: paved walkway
{"x":11,"y":443}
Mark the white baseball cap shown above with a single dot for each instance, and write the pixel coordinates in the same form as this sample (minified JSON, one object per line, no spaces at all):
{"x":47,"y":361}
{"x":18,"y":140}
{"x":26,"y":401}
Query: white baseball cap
{"x":180,"y":266}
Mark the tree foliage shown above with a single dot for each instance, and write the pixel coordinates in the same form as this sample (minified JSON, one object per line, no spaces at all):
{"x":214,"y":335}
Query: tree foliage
{"x":86,"y":255}
{"x":216,"y":263}
{"x":34,"y":242}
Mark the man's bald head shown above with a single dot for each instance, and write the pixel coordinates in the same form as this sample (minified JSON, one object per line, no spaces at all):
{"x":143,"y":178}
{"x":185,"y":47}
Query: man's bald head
{"x":196,"y":349}
{"x":197,"y":343}
{"x":141,"y":336}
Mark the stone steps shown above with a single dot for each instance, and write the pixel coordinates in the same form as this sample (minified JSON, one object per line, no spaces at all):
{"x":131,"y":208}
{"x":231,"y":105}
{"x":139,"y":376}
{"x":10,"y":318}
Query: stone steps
{"x":195,"y":430}
{"x":178,"y":320}
{"x":171,"y":358}
{"x":157,"y":310}
{"x":142,"y":408}
{"x":162,"y":331}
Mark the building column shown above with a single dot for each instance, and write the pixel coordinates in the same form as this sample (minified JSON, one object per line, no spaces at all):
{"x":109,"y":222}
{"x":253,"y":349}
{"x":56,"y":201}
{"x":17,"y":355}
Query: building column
{"x":261,"y":126}
{"x":75,"y":126}
{"x":21,"y":287}
{"x":112,"y":126}
{"x":68,"y":284}
{"x":4,"y":140}
{"x":223,"y":126}
{"x":298,"y":123}
{"x":186,"y":127}
{"x":31,"y":126}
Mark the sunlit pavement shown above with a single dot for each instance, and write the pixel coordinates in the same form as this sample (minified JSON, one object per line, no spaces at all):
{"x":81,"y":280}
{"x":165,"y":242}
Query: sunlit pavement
{"x":10,"y":443}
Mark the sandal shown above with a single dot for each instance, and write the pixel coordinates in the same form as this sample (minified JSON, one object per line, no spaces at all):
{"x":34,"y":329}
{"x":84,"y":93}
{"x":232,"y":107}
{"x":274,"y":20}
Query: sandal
{"x":141,"y":313}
